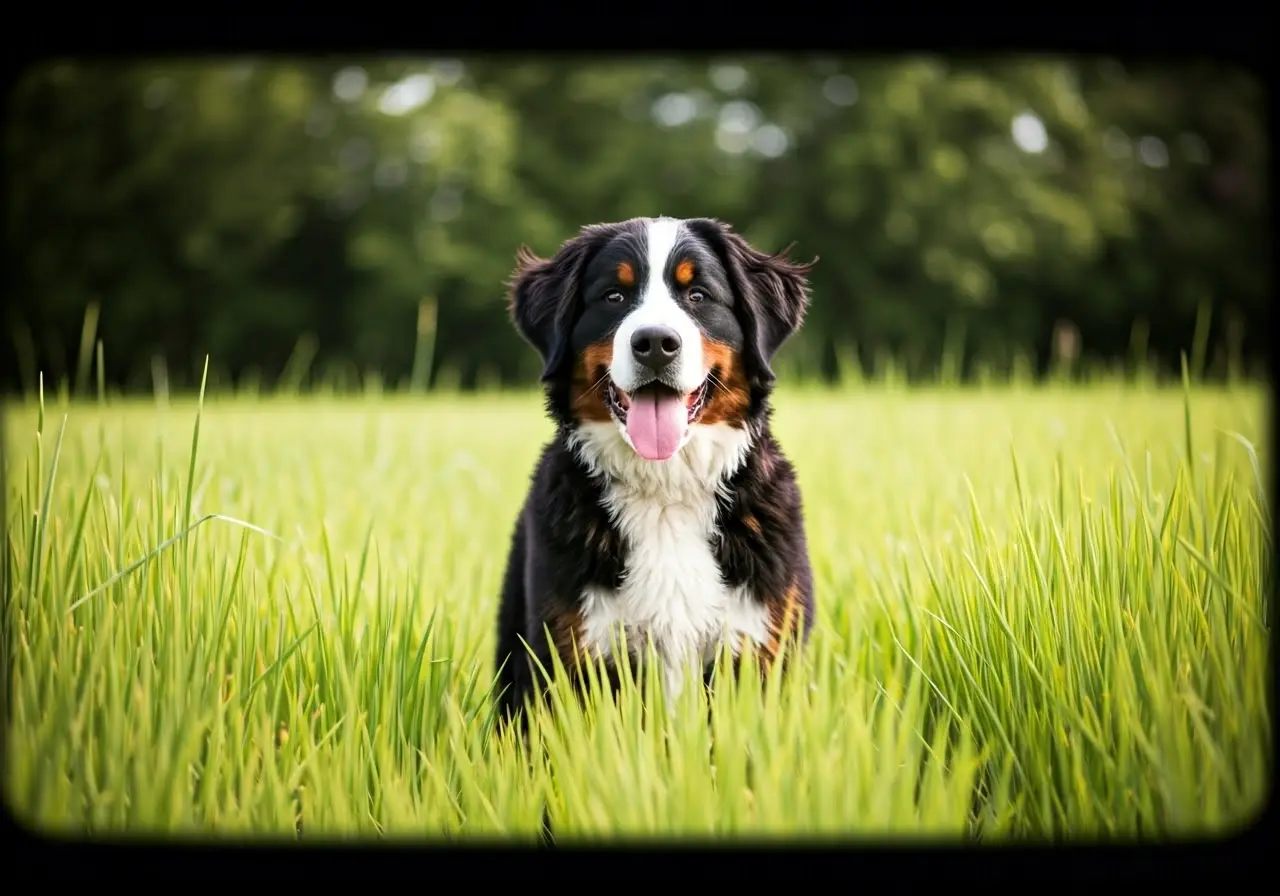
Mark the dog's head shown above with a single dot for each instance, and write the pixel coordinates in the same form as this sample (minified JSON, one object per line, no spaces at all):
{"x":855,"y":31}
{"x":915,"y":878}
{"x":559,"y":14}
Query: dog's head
{"x":660,"y":326}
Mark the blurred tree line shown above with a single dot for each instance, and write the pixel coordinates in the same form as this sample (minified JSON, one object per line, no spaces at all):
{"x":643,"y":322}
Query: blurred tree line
{"x":361,"y":217}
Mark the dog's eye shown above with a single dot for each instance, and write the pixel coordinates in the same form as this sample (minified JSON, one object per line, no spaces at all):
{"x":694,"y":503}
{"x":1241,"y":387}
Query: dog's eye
{"x":613,"y":297}
{"x":696,"y":295}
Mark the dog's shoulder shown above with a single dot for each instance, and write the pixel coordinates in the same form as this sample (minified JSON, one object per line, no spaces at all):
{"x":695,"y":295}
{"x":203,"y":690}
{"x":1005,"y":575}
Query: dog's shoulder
{"x":567,"y":525}
{"x":766,"y":481}
{"x":760,"y":525}
{"x":562,"y":489}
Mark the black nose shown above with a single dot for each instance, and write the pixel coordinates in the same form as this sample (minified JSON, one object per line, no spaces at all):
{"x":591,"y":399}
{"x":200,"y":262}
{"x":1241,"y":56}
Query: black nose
{"x":655,"y":346}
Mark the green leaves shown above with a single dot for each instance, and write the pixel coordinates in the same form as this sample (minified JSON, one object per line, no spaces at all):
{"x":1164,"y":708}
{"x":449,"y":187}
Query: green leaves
{"x":273,"y":200}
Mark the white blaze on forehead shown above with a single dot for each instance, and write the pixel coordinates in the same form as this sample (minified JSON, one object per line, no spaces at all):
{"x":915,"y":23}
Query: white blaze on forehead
{"x":658,"y":306}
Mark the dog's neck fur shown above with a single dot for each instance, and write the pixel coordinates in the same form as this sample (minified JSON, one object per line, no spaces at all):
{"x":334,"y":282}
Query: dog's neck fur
{"x":694,"y":475}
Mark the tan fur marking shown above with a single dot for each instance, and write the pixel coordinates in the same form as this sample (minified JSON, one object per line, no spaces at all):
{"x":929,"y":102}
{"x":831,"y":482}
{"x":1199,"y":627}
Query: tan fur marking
{"x":684,"y":272}
{"x":728,"y":395}
{"x":785,"y":616}
{"x":751,"y":523}
{"x":566,"y":634}
{"x":590,"y":379}
{"x":626,"y":273}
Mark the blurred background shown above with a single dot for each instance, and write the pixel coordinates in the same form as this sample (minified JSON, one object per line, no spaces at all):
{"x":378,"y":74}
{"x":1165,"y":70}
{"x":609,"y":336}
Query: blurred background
{"x":352,"y":223}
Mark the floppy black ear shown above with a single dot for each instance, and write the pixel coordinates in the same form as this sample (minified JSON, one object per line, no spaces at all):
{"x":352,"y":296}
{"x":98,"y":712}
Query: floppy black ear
{"x":773,"y":294}
{"x":542,"y":298}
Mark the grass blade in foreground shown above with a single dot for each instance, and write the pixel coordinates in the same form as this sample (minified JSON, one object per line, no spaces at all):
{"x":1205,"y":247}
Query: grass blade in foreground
{"x":1072,"y":643}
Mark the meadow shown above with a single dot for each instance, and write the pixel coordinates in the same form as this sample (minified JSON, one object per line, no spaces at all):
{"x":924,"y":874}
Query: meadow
{"x":1044,"y":611}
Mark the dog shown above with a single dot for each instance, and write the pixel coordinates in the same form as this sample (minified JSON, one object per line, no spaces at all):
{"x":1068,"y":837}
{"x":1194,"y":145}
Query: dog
{"x":663,"y":509}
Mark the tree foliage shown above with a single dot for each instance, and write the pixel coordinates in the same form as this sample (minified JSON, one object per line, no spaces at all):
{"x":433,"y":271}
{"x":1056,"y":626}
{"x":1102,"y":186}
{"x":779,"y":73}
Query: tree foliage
{"x":235,"y":207}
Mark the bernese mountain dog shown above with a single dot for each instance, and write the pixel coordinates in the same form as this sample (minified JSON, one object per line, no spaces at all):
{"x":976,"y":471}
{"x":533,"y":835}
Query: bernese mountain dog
{"x":662,"y":517}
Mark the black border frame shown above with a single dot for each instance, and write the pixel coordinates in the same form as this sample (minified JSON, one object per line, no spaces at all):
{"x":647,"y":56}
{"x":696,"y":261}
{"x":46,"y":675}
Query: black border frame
{"x":1230,"y":33}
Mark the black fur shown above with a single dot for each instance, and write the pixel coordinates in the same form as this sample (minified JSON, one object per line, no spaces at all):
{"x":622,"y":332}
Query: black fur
{"x":564,"y":541}
{"x":775,"y":552}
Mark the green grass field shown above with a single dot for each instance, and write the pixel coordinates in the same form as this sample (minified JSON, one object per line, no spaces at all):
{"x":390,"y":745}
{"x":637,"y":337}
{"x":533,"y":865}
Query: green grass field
{"x":1042,"y":612}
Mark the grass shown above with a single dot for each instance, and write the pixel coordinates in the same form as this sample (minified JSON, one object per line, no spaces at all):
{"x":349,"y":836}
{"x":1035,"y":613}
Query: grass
{"x":1044,"y":612}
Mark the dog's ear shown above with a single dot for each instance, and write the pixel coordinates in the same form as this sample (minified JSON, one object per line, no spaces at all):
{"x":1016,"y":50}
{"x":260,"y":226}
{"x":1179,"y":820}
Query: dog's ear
{"x":543,"y":294}
{"x":772,"y":293}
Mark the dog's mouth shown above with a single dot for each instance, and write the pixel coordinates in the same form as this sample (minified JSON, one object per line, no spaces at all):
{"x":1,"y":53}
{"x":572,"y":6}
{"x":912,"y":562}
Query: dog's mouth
{"x":619,"y":401}
{"x":656,"y":417}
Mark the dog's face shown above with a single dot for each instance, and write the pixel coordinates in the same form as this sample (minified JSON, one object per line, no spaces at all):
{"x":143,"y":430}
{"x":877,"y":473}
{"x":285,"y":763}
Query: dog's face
{"x":658,"y":325}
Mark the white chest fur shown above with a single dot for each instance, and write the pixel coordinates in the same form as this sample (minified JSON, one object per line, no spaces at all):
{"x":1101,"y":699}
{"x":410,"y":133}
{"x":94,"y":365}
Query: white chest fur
{"x":672,"y":591}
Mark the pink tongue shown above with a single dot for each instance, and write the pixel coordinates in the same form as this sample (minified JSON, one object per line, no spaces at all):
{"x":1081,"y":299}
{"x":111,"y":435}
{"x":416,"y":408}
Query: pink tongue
{"x":656,"y":422}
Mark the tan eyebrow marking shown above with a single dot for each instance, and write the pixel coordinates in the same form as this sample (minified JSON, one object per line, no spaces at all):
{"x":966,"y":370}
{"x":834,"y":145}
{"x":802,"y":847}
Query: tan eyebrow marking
{"x":684,"y":272}
{"x":626,"y":274}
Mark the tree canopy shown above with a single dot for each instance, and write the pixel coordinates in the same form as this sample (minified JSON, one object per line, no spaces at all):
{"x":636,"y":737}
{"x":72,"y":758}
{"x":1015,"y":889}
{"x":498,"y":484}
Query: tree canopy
{"x":969,"y":208}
